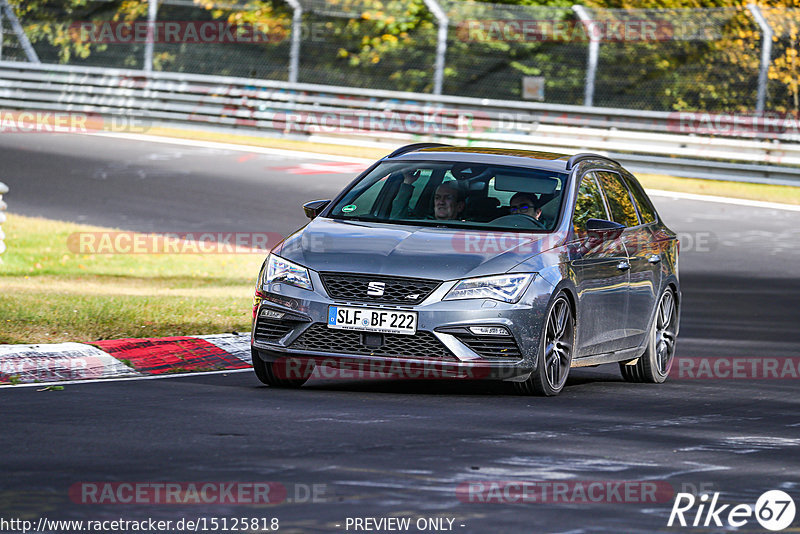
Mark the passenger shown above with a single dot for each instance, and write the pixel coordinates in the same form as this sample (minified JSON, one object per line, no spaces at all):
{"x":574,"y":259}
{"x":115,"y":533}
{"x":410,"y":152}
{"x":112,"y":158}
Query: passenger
{"x":526,"y":204}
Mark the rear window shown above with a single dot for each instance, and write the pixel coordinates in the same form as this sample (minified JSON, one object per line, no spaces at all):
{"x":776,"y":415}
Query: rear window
{"x":619,"y":199}
{"x":646,"y":210}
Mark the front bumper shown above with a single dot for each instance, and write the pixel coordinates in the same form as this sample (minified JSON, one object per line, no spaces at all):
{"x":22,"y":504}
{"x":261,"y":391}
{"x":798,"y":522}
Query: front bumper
{"x":443,"y":347}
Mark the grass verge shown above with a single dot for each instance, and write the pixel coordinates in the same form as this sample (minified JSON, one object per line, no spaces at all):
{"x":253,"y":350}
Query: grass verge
{"x":769,"y":193}
{"x":51,"y":294}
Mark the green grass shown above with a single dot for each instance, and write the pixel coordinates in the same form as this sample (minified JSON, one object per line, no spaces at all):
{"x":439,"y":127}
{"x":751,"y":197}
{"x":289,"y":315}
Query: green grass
{"x":51,"y":294}
{"x":785,"y":194}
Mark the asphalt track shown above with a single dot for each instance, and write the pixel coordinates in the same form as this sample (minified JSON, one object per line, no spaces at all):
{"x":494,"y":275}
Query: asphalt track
{"x":401,"y":448}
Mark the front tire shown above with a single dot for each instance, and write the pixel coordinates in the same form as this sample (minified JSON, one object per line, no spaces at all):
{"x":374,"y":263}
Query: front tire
{"x":269,"y":373}
{"x":555,"y":352}
{"x":654,"y":364}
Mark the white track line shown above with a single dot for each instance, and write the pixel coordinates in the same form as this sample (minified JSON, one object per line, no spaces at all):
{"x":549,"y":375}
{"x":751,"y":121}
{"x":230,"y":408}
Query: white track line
{"x":234,"y":146}
{"x":331,"y":157}
{"x":724,"y":200}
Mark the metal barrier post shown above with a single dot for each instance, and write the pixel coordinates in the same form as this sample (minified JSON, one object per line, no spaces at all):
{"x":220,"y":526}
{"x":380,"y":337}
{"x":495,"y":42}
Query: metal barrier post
{"x":3,"y":190}
{"x":766,"y":53}
{"x":297,"y":31}
{"x":441,"y":44}
{"x":594,"y":51}
{"x":30,"y":53}
{"x":152,"y":10}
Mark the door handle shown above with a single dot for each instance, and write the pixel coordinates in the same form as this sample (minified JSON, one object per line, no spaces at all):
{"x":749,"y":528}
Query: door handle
{"x":623,"y":266}
{"x":655,"y":258}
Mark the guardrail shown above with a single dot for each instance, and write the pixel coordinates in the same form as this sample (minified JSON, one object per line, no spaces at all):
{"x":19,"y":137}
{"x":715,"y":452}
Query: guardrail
{"x":3,"y":206}
{"x":753,"y":149}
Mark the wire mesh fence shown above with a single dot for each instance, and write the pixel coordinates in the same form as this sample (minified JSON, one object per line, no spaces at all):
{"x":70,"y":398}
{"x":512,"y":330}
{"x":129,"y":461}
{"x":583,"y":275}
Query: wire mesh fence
{"x":643,"y":59}
{"x":784,"y":77}
{"x":493,"y":48}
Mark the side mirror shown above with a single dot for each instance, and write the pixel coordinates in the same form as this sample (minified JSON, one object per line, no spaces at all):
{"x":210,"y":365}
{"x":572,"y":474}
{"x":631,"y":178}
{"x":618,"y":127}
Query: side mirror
{"x":315,"y":207}
{"x":602,"y":230}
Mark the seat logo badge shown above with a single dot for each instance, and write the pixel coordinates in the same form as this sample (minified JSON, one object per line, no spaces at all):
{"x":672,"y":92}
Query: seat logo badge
{"x":413,"y":296}
{"x":376,"y":289}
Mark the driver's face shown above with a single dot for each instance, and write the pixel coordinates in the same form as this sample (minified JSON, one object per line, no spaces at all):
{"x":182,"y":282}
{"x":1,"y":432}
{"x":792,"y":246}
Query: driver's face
{"x":446,"y":203}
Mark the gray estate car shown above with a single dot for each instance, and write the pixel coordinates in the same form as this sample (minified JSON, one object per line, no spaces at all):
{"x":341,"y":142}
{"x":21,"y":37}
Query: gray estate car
{"x":475,"y":263}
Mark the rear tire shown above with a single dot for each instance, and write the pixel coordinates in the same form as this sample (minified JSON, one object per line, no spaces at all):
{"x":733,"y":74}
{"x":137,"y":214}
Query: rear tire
{"x":555,"y":352}
{"x":269,"y":373}
{"x":654,"y":364}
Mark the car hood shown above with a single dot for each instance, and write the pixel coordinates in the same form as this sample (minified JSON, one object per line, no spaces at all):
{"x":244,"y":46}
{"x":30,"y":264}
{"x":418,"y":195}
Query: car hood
{"x":415,"y":251}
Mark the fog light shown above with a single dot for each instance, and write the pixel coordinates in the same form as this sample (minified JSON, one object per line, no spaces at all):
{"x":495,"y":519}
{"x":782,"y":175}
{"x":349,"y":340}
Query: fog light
{"x":271,"y":314}
{"x":488,"y":331}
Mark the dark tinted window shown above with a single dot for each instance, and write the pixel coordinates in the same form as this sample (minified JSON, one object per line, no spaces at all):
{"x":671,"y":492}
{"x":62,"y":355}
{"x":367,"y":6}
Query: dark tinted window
{"x":589,"y":204}
{"x":646,"y":210}
{"x":619,"y":199}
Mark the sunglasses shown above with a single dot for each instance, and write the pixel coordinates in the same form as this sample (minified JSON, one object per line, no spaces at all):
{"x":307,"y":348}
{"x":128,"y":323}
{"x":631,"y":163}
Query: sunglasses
{"x":514,"y":209}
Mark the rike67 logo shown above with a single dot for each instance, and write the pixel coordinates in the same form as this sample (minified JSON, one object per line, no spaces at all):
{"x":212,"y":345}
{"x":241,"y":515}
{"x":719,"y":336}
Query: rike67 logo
{"x":774,"y":510}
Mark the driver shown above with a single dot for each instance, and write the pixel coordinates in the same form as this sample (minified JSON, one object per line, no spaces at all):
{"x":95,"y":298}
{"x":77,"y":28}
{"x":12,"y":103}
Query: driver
{"x":448,"y":202}
{"x":526,"y":204}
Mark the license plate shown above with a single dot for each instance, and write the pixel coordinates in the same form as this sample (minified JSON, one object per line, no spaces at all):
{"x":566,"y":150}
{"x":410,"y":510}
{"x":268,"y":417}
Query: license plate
{"x":372,"y":320}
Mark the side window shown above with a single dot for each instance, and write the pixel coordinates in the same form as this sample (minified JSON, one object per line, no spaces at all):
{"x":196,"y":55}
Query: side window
{"x":588,"y":204}
{"x":619,"y":199}
{"x":646,"y":210}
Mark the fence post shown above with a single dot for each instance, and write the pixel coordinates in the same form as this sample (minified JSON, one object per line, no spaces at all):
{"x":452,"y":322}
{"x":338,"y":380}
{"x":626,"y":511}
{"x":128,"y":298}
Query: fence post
{"x":152,"y":10}
{"x":594,"y":51}
{"x":3,"y":190}
{"x":766,"y":55}
{"x":297,"y":31}
{"x":441,"y":44}
{"x":30,"y":53}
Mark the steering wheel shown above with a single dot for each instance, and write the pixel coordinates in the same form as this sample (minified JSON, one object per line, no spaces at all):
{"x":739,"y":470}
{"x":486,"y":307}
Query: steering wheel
{"x":514,"y":220}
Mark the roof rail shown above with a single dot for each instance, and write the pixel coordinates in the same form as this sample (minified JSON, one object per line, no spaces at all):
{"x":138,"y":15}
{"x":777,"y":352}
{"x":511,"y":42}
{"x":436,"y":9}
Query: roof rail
{"x":577,"y":158}
{"x":412,"y":147}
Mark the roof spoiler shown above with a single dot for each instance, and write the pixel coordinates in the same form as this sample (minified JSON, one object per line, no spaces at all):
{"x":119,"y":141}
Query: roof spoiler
{"x":414,"y":146}
{"x":577,"y":158}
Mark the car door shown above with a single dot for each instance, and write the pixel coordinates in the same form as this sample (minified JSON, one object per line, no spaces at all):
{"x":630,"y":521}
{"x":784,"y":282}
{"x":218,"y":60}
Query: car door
{"x":646,"y":261}
{"x":638,"y":244}
{"x":601,"y":276}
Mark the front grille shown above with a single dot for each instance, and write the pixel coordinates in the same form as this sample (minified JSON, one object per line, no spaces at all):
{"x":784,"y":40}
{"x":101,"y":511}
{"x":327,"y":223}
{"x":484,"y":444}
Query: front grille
{"x":271,"y":329}
{"x":422,"y":345}
{"x":397,"y":290}
{"x":492,"y":346}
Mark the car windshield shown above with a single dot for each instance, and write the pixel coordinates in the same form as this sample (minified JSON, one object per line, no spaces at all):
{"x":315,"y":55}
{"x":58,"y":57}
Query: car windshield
{"x":455,"y":194}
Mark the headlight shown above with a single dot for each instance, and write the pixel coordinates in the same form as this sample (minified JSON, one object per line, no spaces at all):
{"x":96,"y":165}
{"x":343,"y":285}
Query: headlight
{"x":281,"y":270}
{"x":505,"y":288}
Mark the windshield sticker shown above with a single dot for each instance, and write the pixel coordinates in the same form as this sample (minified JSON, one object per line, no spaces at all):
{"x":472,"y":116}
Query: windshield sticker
{"x":349,"y":208}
